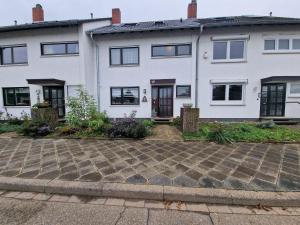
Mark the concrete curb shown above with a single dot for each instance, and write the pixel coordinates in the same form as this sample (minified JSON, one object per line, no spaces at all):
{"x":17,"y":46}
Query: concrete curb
{"x":152,"y":192}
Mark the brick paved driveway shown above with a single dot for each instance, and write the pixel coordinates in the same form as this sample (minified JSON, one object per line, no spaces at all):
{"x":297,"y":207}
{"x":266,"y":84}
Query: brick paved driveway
{"x":192,"y":164}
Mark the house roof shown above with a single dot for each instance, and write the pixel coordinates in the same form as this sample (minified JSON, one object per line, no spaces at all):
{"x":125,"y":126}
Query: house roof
{"x":49,"y":24}
{"x":196,"y":23}
{"x":148,"y":26}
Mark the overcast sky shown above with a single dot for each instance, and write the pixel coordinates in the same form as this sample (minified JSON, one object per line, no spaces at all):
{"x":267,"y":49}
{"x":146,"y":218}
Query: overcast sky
{"x":143,"y":10}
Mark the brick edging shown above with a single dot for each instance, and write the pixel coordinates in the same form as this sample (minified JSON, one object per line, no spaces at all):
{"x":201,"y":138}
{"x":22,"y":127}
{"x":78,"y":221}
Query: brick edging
{"x":152,"y":192}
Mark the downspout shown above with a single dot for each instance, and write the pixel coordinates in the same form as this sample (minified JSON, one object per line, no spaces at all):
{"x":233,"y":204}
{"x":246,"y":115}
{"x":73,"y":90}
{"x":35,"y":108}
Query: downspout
{"x":97,"y":70}
{"x":197,"y":66}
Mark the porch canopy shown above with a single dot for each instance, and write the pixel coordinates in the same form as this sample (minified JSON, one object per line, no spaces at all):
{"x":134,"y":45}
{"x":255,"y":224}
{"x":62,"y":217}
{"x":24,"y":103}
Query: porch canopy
{"x":46,"y":82}
{"x":277,"y":79}
{"x":163,"y":82}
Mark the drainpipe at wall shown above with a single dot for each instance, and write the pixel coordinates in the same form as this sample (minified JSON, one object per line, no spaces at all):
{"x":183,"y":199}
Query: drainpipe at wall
{"x":97,"y":69}
{"x":197,"y":66}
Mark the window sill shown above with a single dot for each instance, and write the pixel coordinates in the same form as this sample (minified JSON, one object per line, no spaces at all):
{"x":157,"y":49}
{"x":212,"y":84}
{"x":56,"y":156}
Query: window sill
{"x":171,"y":57}
{"x":117,"y":66}
{"x":227,"y":104}
{"x":229,"y":61}
{"x":10,"y":65}
{"x":280,"y":52}
{"x":66,"y":55}
{"x":293,"y":96}
{"x":125,"y":106}
{"x":16,"y":106}
{"x":183,"y":97}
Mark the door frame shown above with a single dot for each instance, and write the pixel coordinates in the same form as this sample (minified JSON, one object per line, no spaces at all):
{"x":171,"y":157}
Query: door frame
{"x":268,"y":97}
{"x":50,"y":97}
{"x":172,"y":104}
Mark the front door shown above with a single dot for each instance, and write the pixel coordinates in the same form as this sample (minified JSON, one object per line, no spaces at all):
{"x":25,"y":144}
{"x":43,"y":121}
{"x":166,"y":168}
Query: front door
{"x":162,"y":101}
{"x":56,"y":98}
{"x":273,"y":100}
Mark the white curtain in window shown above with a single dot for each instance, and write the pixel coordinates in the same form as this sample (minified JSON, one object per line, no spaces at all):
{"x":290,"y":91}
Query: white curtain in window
{"x":130,"y":56}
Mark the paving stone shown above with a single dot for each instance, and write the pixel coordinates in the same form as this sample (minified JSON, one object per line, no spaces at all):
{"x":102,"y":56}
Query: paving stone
{"x":97,"y":201}
{"x":49,"y":175}
{"x":115,"y":201}
{"x":26,"y":195}
{"x":263,"y":185}
{"x":208,"y":182}
{"x":136,"y":179}
{"x":42,"y":197}
{"x":30,"y":174}
{"x":95,"y":176}
{"x":239,"y":166}
{"x":59,"y":198}
{"x":135,"y":203}
{"x":197,"y":207}
{"x":160,"y":180}
{"x":219,"y":209}
{"x":11,"y":194}
{"x":69,"y":176}
{"x":185,"y":181}
{"x":154,"y":204}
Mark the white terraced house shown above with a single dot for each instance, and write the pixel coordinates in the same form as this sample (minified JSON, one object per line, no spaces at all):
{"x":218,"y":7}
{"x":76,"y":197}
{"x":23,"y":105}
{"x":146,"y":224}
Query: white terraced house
{"x":232,"y":68}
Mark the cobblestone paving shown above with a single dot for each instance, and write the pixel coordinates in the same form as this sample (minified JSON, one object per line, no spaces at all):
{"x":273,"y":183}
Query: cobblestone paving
{"x":271,"y":167}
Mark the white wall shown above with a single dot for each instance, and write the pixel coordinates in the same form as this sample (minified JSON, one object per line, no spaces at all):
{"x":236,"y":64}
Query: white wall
{"x":74,"y":69}
{"x":182,"y":69}
{"x":256,"y":67}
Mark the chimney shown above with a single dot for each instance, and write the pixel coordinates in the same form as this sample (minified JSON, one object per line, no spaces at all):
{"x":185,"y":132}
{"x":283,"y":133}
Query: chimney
{"x":192,"y":10}
{"x":37,"y":13}
{"x":116,"y":16}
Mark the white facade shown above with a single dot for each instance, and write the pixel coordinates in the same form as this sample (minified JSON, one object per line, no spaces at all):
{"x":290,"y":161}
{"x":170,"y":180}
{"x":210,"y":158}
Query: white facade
{"x":91,"y":68}
{"x":74,"y":69}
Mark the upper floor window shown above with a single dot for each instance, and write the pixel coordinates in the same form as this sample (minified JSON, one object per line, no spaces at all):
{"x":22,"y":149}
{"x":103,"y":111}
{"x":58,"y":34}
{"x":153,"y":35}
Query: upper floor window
{"x":13,"y":55}
{"x":230,"y":50}
{"x":124,"y":56}
{"x":16,"y":96}
{"x":171,"y":50}
{"x":68,"y":48}
{"x":282,"y":44}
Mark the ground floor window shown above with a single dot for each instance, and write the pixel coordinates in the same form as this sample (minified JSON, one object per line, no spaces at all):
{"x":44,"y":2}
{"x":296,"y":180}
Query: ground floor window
{"x":229,"y":93}
{"x":295,"y":89}
{"x":125,"y":95}
{"x":19,"y":96}
{"x":183,"y":91}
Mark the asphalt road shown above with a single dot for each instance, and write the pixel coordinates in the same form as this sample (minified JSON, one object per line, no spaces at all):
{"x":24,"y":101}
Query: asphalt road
{"x":24,"y":212}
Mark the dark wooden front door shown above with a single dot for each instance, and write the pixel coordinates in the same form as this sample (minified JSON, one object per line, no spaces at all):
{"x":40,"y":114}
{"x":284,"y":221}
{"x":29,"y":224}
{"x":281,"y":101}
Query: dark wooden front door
{"x":162,"y":101}
{"x":56,"y":97}
{"x":273,"y":100}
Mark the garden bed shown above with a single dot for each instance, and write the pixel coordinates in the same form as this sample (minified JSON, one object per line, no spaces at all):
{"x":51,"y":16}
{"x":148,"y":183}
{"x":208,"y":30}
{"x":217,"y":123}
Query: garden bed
{"x":244,"y":132}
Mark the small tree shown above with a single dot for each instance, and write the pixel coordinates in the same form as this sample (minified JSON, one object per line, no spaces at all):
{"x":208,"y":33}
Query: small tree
{"x":81,"y":109}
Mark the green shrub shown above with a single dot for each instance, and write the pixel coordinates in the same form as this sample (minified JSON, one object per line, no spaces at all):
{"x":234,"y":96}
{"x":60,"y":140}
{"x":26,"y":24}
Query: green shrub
{"x":218,"y":135}
{"x":266,"y":124}
{"x":48,"y":116}
{"x":176,"y":122}
{"x":148,"y":123}
{"x":67,"y":130}
{"x":35,"y":129}
{"x":128,"y":127}
{"x":81,"y":109}
{"x":6,"y":127}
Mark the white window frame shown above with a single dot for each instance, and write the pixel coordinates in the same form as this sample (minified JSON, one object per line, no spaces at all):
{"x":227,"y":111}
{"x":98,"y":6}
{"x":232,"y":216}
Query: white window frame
{"x":292,"y":95}
{"x":281,"y":51}
{"x":228,"y":102}
{"x":228,"y":39}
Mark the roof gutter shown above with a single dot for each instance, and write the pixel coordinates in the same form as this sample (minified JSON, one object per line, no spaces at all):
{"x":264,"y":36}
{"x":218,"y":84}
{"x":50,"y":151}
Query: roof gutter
{"x":97,"y":70}
{"x":197,"y":65}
